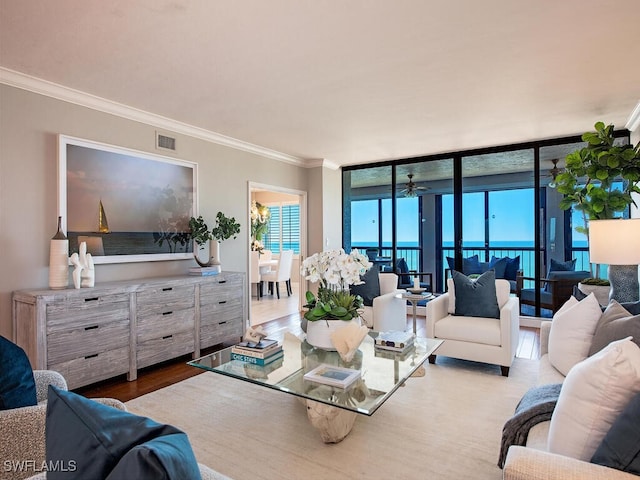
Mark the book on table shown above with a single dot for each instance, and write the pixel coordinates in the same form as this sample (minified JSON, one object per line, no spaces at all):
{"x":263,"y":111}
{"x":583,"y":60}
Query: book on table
{"x":395,"y":340}
{"x":255,"y":360}
{"x":204,"y":271}
{"x":261,"y":345}
{"x":252,"y":352}
{"x":331,"y":375}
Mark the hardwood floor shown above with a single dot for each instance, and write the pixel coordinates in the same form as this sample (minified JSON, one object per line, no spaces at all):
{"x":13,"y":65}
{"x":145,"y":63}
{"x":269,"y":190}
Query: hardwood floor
{"x":167,"y":373}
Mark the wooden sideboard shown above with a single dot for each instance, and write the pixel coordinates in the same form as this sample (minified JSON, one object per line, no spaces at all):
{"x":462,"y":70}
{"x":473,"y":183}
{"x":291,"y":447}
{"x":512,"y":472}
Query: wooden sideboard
{"x":91,"y":334}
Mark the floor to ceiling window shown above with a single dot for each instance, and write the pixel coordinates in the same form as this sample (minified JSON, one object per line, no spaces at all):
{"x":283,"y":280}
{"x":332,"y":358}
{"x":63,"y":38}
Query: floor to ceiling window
{"x":435,"y":211}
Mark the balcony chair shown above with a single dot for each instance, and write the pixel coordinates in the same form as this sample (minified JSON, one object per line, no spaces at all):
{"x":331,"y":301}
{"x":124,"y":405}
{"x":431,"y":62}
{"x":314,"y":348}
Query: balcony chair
{"x":405,"y":276}
{"x":555,"y":290}
{"x":282,"y":274}
{"x":479,"y":339}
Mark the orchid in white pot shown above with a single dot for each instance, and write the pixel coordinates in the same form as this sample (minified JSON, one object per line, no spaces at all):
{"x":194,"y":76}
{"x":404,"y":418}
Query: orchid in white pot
{"x":335,"y":271}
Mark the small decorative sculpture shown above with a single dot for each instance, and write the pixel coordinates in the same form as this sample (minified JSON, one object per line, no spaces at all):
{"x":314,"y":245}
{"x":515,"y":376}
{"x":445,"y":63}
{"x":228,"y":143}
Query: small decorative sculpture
{"x":84,"y":271}
{"x":254,"y":334}
{"x":347,"y":340}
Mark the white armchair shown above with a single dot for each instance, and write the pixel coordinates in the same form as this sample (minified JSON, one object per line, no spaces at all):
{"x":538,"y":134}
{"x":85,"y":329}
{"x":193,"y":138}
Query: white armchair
{"x":487,"y":340}
{"x":388,"y":311}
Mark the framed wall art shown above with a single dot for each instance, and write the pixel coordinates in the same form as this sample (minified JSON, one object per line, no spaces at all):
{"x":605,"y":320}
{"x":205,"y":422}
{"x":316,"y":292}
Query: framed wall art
{"x":127,"y":205}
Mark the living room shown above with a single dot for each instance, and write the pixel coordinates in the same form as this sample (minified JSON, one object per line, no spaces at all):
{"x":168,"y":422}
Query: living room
{"x":401,"y":89}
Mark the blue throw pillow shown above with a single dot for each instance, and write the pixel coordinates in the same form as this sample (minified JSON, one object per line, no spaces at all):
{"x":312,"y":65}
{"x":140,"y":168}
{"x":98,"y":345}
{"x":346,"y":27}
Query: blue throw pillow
{"x":86,"y":439}
{"x":499,"y":265}
{"x":620,"y":447}
{"x":511,"y":269}
{"x":403,"y":268}
{"x":370,"y":289}
{"x":471,"y":265}
{"x":476,"y":298}
{"x":568,"y":266}
{"x":17,"y":385}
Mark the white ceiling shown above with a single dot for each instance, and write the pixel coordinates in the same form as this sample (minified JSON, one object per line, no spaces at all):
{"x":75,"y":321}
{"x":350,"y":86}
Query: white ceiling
{"x":346,"y":81}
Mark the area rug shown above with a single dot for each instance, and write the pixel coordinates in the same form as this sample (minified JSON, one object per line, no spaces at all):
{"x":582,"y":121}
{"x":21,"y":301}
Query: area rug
{"x":446,"y":425}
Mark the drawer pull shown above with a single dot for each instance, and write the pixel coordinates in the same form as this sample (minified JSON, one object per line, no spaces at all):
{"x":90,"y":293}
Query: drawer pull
{"x":91,"y":356}
{"x":92,"y":299}
{"x":222,"y":301}
{"x":167,"y":313}
{"x":222,"y":281}
{"x":92,"y":327}
{"x":222,"y":323}
{"x":167,"y":289}
{"x":167,"y":336}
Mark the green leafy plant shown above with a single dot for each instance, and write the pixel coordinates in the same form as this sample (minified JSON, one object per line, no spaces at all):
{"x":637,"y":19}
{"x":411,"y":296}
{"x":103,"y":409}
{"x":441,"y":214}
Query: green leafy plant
{"x":225,"y":228}
{"x":587,"y":181}
{"x":600,"y":282}
{"x":336,"y":304}
{"x":199,"y":231}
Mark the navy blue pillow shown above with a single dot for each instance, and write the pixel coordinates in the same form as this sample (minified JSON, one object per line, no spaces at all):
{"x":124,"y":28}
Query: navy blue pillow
{"x":370,"y":289}
{"x":476,"y":298}
{"x":620,"y":447}
{"x":17,"y":385}
{"x":568,"y":266}
{"x":499,"y":265}
{"x":471,"y":265}
{"x":402,"y":267}
{"x":511,"y":269}
{"x":88,"y":439}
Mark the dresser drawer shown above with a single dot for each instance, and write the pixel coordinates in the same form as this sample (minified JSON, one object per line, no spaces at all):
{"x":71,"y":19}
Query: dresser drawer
{"x":222,"y":310}
{"x":223,"y":331}
{"x":164,"y":299}
{"x":157,"y":325}
{"x":64,"y":345}
{"x":93,"y":368}
{"x":164,"y":348}
{"x":222,"y":290}
{"x":86,"y":311}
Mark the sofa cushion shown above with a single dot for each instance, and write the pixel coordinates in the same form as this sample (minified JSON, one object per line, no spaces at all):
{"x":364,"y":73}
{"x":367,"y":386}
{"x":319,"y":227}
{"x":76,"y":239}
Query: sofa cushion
{"x":572,"y":330}
{"x":17,"y":385}
{"x":620,"y":448}
{"x":503,"y":289}
{"x":556,"y":266}
{"x":100,"y":441}
{"x":370,"y":289}
{"x":594,"y":393}
{"x":476,"y":298}
{"x":469,"y":329}
{"x":615,"y":323}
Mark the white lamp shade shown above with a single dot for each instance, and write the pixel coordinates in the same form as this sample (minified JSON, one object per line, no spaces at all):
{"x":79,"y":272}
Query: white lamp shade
{"x":614,"y":242}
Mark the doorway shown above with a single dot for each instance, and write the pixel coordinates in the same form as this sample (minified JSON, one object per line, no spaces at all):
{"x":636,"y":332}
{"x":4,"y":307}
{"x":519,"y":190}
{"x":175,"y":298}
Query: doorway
{"x":286,"y":231}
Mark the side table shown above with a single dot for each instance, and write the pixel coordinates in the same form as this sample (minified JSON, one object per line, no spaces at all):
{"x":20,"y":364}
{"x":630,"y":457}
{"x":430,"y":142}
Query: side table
{"x":414,"y":298}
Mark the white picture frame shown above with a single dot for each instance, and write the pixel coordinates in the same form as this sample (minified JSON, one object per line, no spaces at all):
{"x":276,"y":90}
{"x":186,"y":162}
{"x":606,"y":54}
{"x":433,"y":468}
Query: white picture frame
{"x":147,"y":200}
{"x":340,"y":377}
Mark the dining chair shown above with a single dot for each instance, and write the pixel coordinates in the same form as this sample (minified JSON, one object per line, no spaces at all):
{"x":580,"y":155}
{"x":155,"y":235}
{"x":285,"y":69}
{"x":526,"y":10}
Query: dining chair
{"x":282,"y":274}
{"x":255,"y":276}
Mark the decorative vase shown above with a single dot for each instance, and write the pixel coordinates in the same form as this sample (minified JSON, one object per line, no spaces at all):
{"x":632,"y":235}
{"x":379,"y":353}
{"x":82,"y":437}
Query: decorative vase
{"x":319,"y":332}
{"x":59,"y":259}
{"x":214,"y":255}
{"x":601,"y":292}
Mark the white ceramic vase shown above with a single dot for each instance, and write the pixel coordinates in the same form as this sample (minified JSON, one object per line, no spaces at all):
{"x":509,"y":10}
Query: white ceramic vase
{"x":59,"y":259}
{"x":319,"y":332}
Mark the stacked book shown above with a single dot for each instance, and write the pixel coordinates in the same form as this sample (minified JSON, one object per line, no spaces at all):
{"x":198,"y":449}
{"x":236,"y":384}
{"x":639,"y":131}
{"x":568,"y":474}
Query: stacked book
{"x":204,"y":271}
{"x":262,"y":353}
{"x":397,"y":341}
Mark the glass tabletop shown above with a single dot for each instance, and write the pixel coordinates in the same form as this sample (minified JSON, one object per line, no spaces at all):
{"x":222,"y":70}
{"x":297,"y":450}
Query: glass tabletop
{"x":382,"y":372}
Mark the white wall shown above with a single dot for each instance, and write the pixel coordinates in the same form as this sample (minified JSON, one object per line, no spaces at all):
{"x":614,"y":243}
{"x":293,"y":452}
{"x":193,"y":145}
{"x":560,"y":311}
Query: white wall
{"x":29,"y":125}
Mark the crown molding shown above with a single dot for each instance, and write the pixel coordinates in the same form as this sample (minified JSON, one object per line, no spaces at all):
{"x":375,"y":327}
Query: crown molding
{"x":60,"y":92}
{"x":323,"y":162}
{"x":634,"y":119}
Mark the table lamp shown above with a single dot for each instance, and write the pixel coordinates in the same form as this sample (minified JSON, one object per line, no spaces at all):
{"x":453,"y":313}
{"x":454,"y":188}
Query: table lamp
{"x":616,"y":242}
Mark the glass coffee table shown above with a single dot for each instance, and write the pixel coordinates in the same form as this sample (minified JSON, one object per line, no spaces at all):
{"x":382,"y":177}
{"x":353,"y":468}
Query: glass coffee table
{"x":332,"y":410}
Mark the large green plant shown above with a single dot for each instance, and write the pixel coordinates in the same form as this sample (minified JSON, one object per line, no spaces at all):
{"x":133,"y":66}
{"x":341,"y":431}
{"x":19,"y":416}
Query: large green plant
{"x":589,"y":174}
{"x":225,"y":228}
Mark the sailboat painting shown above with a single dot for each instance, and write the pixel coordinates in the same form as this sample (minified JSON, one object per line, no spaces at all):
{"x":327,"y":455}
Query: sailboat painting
{"x":103,"y":224}
{"x":149,"y":200}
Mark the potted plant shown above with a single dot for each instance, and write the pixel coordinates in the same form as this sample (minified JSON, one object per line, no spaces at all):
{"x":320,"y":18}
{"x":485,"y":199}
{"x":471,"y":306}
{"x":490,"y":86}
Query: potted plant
{"x":260,"y":216}
{"x":591,"y":178}
{"x":334,"y":271}
{"x":225,"y":228}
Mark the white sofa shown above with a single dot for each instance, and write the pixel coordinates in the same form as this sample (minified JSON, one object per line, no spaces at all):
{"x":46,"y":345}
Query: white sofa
{"x":388,"y":311}
{"x":533,"y":462}
{"x":487,"y":340}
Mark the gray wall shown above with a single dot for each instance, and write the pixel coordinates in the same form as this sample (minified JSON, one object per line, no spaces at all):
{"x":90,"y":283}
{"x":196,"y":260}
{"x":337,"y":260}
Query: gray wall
{"x":29,"y":125}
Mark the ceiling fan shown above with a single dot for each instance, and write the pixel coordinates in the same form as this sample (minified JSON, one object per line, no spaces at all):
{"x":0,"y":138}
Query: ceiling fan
{"x":553,"y":172}
{"x":411,"y":189}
